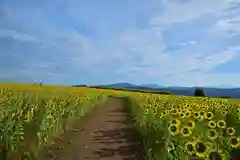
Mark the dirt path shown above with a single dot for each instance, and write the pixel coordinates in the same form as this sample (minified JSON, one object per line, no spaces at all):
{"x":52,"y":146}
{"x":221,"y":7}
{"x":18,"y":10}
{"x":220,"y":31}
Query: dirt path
{"x":107,"y":134}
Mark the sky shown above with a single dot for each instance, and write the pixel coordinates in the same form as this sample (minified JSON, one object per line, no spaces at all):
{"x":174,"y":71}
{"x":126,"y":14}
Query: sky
{"x":164,"y":42}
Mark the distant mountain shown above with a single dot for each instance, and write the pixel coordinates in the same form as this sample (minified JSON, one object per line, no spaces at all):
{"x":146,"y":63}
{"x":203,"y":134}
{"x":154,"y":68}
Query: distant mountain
{"x":186,"y":91}
{"x":225,"y":86}
{"x":151,"y":86}
{"x":213,"y":92}
{"x":210,"y":92}
{"x":177,"y":87}
{"x":120,"y":85}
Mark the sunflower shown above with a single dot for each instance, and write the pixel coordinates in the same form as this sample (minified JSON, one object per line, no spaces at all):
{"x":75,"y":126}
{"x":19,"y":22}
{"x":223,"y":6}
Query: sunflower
{"x":237,"y":111}
{"x":234,"y":142}
{"x":196,"y":115}
{"x":230,"y":131}
{"x":212,"y":124}
{"x":170,"y":109}
{"x":154,"y":112}
{"x":216,"y":155}
{"x":164,"y":113}
{"x":173,"y":129}
{"x":186,"y":131}
{"x":181,"y":114}
{"x":201,"y":149}
{"x":200,"y":118}
{"x":224,"y":107}
{"x":221,"y":124}
{"x":187,"y":114}
{"x":209,"y":115}
{"x":224,"y":113}
{"x":146,"y":111}
{"x":190,"y":148}
{"x":190,"y":124}
{"x":161,"y":115}
{"x":202,"y":113}
{"x":175,"y":122}
{"x":171,"y":146}
{"x":167,"y":111}
{"x":212,"y":134}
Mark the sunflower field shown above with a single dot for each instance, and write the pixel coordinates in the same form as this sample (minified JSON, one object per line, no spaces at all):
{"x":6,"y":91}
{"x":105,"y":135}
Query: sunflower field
{"x":32,"y":116}
{"x":172,"y":127}
{"x":179,"y":128}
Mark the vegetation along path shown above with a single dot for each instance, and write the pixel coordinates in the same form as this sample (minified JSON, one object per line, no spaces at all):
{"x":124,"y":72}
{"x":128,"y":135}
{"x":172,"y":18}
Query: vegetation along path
{"x":106,"y":134}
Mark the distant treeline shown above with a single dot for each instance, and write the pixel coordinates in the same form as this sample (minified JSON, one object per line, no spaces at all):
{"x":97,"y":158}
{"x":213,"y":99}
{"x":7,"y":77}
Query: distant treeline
{"x":223,"y":97}
{"x":79,"y":86}
{"x":141,"y":90}
{"x":199,"y":92}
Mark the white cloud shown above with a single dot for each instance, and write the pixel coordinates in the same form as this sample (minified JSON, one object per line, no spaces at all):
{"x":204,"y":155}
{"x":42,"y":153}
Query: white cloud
{"x":227,"y":27}
{"x":202,"y":79}
{"x":148,"y":41}
{"x":22,"y":37}
{"x":122,"y":54}
{"x":190,"y":10}
{"x":139,"y":51}
{"x":72,"y":38}
{"x":142,"y":52}
{"x":46,"y":64}
{"x":190,"y":42}
{"x":157,"y":62}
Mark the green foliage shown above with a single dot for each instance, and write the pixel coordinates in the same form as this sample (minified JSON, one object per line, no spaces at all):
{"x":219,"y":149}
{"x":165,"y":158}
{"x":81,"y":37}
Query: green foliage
{"x":177,"y":128}
{"x":172,"y":127}
{"x":140,"y":90}
{"x":31,"y":117}
{"x":199,"y":92}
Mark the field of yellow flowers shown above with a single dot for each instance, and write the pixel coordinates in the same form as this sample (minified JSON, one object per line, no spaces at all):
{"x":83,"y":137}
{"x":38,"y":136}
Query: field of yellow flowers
{"x":32,"y":116}
{"x":176,"y":127}
{"x":172,"y":127}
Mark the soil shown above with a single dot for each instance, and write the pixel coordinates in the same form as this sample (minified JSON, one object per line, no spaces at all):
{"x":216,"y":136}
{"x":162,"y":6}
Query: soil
{"x":106,"y":134}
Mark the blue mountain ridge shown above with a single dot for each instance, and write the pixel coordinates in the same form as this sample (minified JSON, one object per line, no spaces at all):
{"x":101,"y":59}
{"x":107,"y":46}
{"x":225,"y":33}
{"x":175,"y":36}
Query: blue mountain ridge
{"x":185,"y":91}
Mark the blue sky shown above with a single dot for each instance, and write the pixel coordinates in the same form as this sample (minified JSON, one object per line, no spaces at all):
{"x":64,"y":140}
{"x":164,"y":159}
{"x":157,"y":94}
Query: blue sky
{"x":165,"y":42}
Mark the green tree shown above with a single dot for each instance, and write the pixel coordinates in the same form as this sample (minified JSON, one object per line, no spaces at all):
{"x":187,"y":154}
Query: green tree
{"x":199,"y":92}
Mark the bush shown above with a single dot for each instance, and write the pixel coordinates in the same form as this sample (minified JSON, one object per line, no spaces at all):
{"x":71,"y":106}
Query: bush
{"x":199,"y":92}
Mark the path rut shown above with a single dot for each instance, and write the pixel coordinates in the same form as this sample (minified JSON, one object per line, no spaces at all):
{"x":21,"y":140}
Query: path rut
{"x":106,"y":134}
